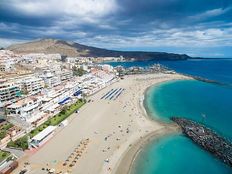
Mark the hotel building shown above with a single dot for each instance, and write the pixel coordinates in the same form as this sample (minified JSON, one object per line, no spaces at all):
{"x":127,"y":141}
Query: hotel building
{"x":7,"y":61}
{"x":32,"y":85}
{"x":27,"y":109}
{"x":9,"y":92}
{"x":66,"y":75}
{"x":50,"y":79}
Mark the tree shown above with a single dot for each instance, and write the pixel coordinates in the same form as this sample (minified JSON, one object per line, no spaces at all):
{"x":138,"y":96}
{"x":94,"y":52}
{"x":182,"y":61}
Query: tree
{"x":78,"y":71}
{"x":64,"y":109}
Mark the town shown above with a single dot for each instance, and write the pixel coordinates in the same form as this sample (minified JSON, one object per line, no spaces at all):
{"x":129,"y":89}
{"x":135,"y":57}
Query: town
{"x":37,"y":88}
{"x":38,"y":92}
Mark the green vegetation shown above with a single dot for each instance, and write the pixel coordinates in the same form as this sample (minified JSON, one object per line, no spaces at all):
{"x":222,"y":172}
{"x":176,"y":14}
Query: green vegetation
{"x":19,"y":143}
{"x":2,"y":134}
{"x":4,"y":155}
{"x":78,"y":71}
{"x":55,"y":120}
{"x":4,"y":129}
{"x":66,"y":112}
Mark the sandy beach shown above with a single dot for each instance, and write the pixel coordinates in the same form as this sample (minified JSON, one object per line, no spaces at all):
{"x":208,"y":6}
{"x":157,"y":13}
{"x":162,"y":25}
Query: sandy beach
{"x":106,"y":135}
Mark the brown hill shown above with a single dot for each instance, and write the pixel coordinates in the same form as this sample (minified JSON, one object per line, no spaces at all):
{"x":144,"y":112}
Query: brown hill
{"x":73,"y":49}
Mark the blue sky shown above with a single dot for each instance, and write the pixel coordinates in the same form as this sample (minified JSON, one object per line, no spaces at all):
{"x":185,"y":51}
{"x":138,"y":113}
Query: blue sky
{"x":195,"y":27}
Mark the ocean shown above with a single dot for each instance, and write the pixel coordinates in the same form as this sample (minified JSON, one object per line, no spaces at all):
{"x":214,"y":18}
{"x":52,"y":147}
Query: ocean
{"x":218,"y":70}
{"x":207,"y":103}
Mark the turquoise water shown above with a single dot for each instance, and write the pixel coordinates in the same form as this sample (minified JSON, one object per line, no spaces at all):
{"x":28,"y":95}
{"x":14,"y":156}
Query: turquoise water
{"x":176,"y":154}
{"x":207,"y":103}
{"x":193,"y":99}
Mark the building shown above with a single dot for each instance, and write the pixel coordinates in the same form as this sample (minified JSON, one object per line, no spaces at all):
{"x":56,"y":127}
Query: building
{"x":32,"y":57}
{"x":6,"y":65}
{"x":103,"y":75}
{"x":9,"y":93}
{"x":43,"y":136}
{"x":50,"y":79}
{"x":71,"y":60}
{"x":66,"y":75}
{"x":32,"y":85}
{"x":7,"y":60}
{"x":27,"y":109}
{"x":107,"y":68}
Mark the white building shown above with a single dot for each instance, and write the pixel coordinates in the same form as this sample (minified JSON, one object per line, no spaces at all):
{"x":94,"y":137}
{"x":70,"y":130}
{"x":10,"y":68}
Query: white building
{"x":66,"y":75}
{"x":43,"y":136}
{"x":31,"y":85}
{"x":105,"y":76}
{"x":7,"y":60}
{"x":32,"y":57}
{"x":9,"y":92}
{"x":107,"y":68}
{"x":50,"y":79}
{"x":27,"y":109}
{"x":71,"y":59}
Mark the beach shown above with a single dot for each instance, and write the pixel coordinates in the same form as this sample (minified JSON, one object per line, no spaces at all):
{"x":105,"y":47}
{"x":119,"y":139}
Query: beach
{"x":106,"y":133}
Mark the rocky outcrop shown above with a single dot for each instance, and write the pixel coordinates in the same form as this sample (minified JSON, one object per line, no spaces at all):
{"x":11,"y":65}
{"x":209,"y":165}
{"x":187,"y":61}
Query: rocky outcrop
{"x":207,"y":139}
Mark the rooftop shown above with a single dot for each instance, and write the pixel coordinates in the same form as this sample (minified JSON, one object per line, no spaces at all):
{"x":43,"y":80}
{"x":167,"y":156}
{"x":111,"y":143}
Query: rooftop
{"x":44,"y":133}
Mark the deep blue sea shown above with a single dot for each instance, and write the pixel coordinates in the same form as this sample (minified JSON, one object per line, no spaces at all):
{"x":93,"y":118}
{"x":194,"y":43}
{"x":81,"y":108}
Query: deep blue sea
{"x":210,"y":104}
{"x":219,"y":70}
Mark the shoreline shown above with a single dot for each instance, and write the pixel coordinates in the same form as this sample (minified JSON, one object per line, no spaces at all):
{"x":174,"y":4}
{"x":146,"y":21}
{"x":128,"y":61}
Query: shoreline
{"x":144,"y":107}
{"x":129,"y":157}
{"x":127,"y":162}
{"x":113,"y":127}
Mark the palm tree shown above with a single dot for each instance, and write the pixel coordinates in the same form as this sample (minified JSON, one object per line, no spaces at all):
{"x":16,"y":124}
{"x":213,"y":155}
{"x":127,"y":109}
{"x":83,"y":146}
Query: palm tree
{"x":64,"y":109}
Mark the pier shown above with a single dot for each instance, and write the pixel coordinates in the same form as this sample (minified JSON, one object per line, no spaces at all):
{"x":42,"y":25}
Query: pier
{"x":207,"y":139}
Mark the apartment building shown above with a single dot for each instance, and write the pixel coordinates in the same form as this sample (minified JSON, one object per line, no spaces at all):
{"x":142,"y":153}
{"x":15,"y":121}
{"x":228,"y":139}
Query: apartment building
{"x":27,"y":109}
{"x":50,"y":79}
{"x":6,"y":64}
{"x":32,"y":85}
{"x":9,"y":92}
{"x":66,"y":75}
{"x":7,"y":60}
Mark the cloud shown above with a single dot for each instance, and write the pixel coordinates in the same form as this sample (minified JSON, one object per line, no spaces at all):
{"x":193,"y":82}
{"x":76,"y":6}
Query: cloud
{"x":120,"y":24}
{"x":167,"y":38}
{"x":85,"y":10}
{"x":210,"y":13}
{"x":5,"y":42}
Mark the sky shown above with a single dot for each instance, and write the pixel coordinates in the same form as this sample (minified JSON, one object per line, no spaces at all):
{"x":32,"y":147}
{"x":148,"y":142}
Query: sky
{"x":195,"y":27}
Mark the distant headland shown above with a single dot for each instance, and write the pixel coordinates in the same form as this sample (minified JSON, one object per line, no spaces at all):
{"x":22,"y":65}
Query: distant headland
{"x":73,"y":49}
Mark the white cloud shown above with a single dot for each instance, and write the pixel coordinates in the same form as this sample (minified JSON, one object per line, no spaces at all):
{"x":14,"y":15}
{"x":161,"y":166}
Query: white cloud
{"x":65,"y":14}
{"x":7,"y":42}
{"x":166,"y":38}
{"x":76,"y":8}
{"x":210,"y":13}
{"x":8,"y":27}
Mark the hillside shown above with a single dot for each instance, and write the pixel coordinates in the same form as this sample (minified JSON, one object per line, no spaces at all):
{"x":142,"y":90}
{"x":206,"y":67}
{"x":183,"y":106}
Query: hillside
{"x":73,"y":49}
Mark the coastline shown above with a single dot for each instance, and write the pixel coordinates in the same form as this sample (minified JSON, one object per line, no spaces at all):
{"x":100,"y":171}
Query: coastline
{"x":128,"y":160}
{"x":116,"y":129}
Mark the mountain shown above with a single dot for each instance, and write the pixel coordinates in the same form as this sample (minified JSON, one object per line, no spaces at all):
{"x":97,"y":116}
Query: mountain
{"x":73,"y":49}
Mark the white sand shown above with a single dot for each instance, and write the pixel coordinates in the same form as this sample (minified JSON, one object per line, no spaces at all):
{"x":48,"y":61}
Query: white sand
{"x":98,"y":120}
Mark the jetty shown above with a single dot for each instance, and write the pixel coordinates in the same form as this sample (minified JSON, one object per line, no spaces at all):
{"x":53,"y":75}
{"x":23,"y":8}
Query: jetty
{"x":207,"y":139}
